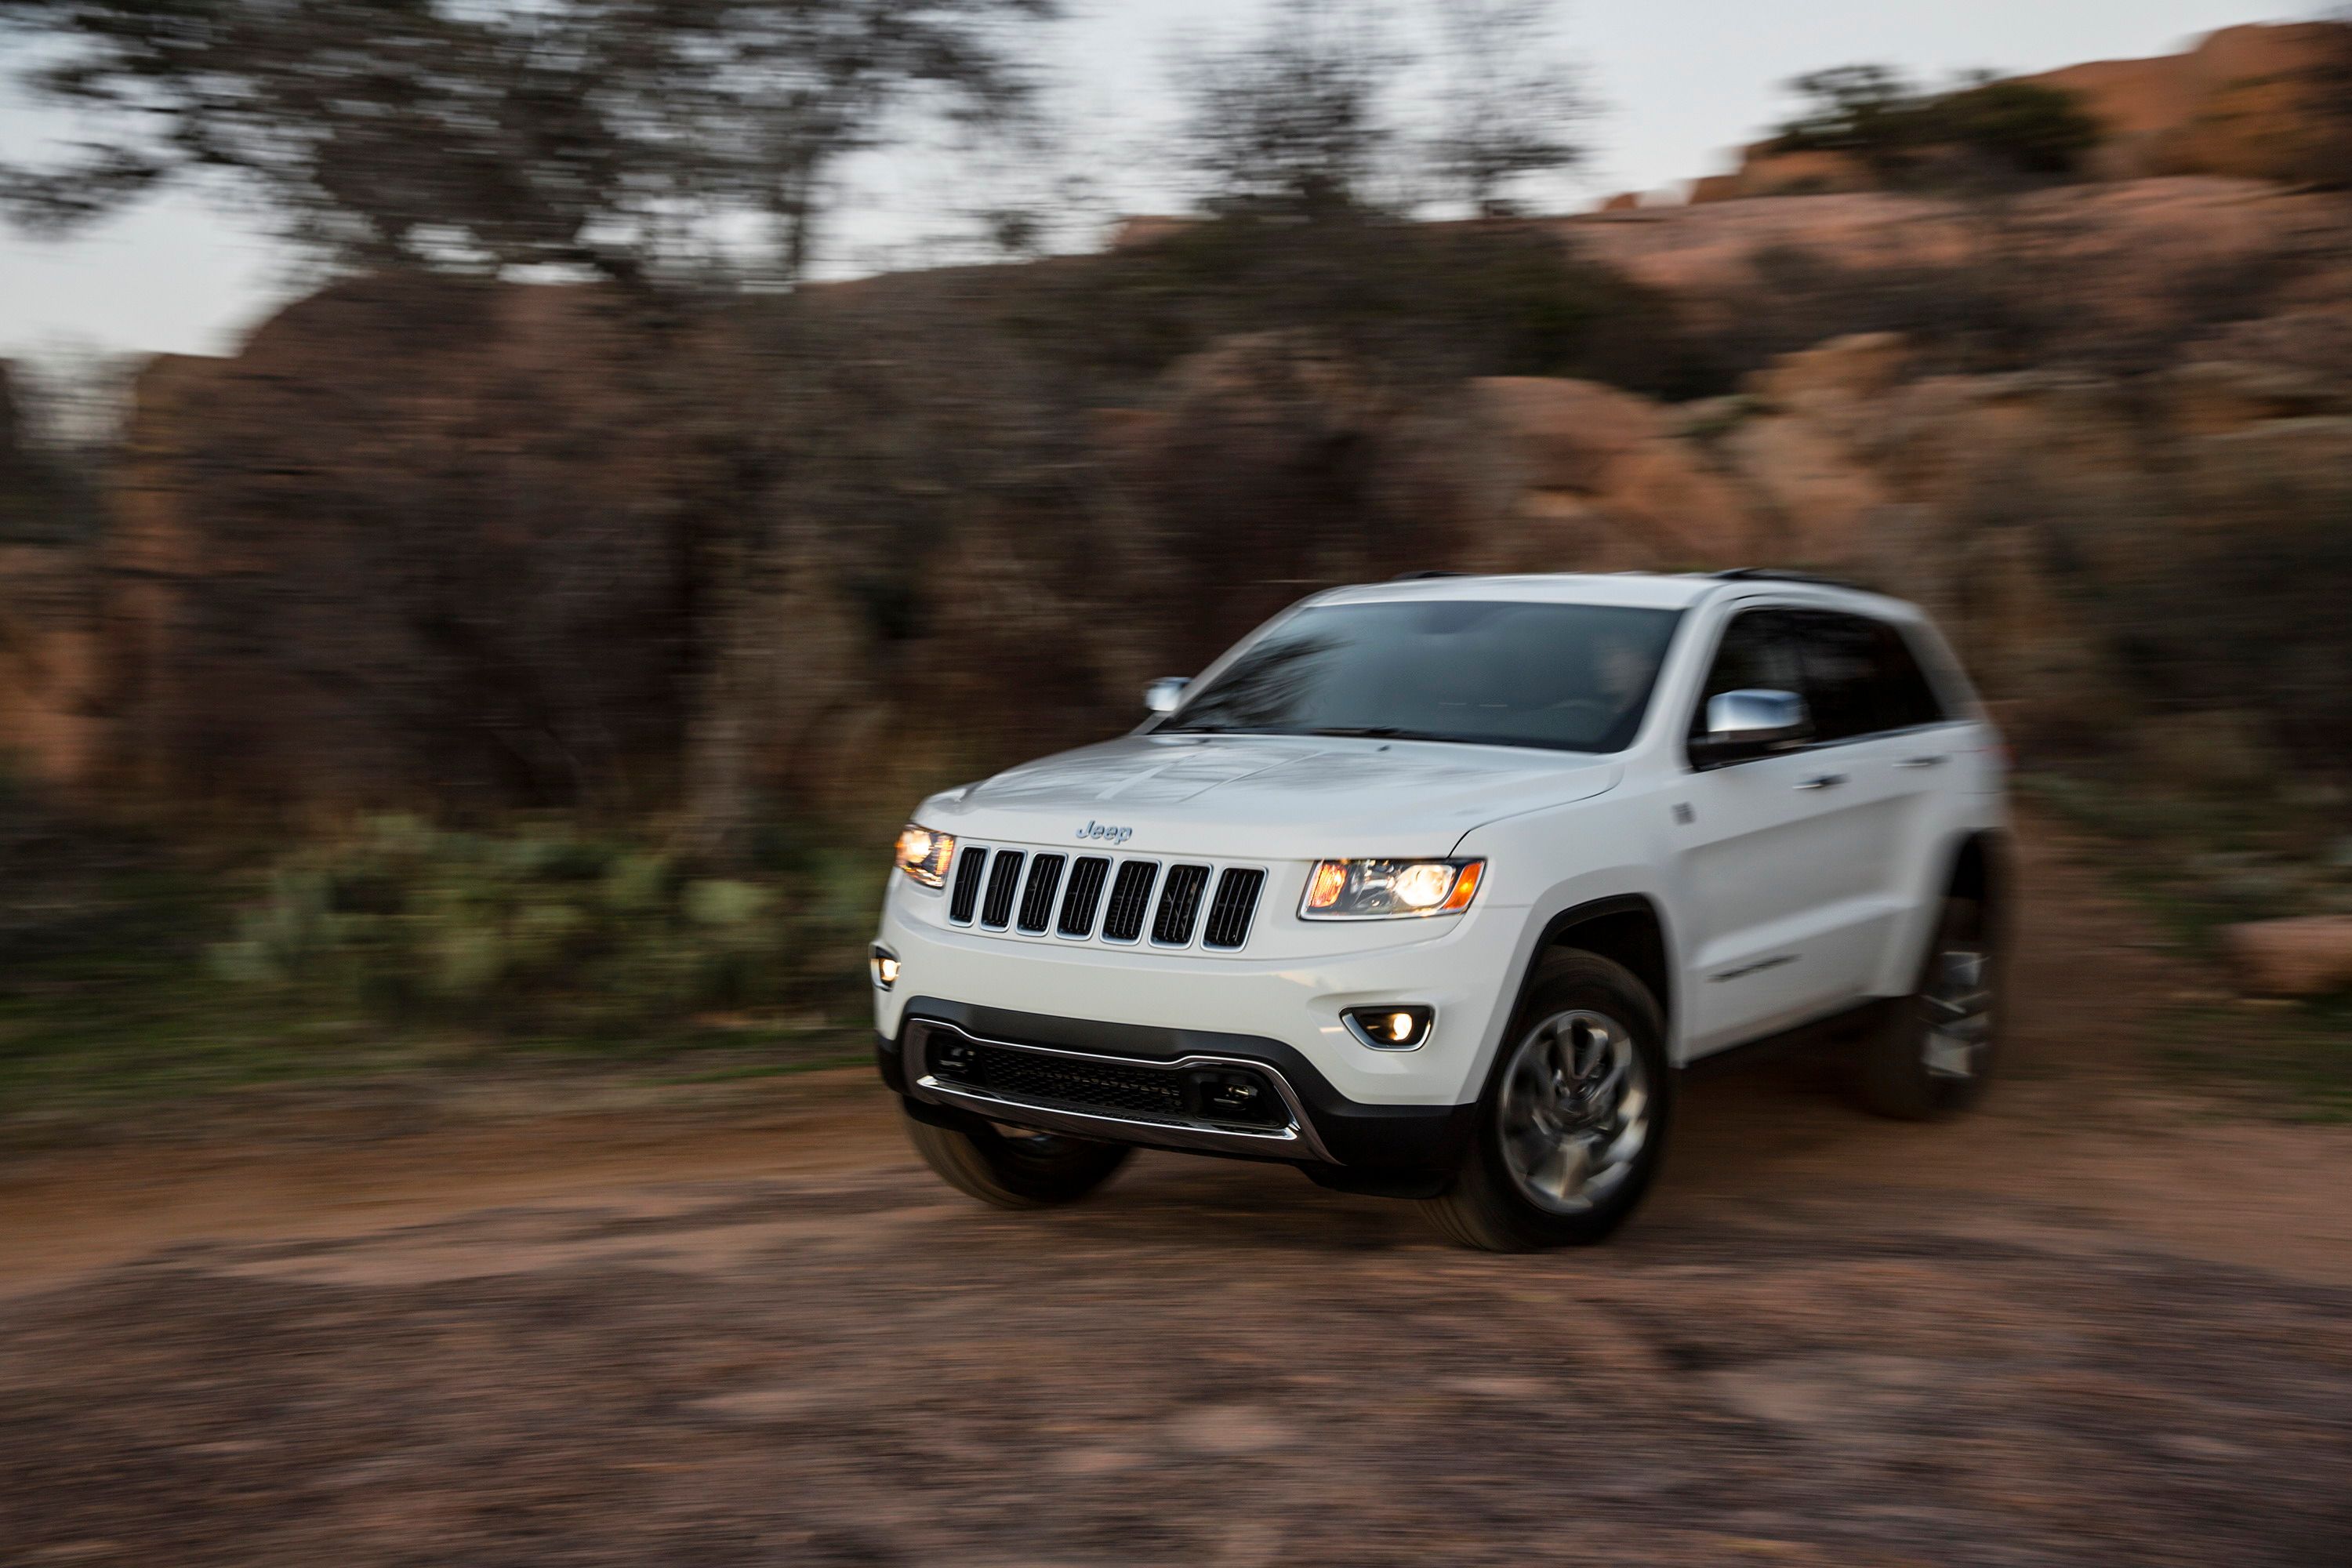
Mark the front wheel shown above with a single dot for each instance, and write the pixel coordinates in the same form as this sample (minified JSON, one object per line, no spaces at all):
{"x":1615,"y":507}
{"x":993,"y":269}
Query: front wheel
{"x":1013,"y":1168}
{"x":1572,"y":1126}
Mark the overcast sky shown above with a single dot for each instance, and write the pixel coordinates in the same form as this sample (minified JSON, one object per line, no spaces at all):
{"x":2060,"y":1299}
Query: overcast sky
{"x":1681,"y":82}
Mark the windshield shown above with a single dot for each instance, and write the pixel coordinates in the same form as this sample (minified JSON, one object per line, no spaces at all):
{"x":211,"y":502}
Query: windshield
{"x":1573,"y":677}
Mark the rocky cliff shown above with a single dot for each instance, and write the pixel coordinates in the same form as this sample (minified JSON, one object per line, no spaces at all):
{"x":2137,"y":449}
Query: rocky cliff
{"x":2246,"y":102}
{"x":427,"y":538}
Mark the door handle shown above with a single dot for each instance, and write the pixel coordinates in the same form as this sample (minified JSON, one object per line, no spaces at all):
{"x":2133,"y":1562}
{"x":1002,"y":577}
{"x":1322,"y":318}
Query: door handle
{"x":1935,"y":761}
{"x":1824,"y":780}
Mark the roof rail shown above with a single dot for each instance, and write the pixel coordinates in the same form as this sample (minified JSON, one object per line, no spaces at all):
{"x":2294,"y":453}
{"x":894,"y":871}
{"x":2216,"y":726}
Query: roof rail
{"x":1785,"y":574}
{"x":1418,"y":576}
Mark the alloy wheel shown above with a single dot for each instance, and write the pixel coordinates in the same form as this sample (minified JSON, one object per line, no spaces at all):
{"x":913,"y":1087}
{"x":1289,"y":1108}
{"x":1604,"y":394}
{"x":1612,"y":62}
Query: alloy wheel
{"x":1957,"y":1009}
{"x":1575,"y":1111}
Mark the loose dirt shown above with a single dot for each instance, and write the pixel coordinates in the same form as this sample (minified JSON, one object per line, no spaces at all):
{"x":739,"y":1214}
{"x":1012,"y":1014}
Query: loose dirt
{"x":2104,"y":1319}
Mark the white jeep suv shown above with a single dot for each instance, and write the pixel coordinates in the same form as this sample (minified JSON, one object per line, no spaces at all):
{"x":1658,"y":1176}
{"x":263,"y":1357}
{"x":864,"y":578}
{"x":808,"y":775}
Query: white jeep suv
{"x":1431,"y":887}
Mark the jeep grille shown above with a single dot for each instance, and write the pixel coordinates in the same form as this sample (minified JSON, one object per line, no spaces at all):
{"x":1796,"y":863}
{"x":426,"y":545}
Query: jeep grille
{"x":1095,"y":897}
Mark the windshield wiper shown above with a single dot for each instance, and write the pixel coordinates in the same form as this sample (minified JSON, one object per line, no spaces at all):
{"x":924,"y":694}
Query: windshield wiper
{"x":1376,"y":733}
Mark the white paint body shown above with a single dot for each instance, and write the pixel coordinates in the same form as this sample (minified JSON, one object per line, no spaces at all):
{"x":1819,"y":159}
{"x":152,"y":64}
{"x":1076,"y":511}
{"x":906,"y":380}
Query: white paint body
{"x":1781,"y":903}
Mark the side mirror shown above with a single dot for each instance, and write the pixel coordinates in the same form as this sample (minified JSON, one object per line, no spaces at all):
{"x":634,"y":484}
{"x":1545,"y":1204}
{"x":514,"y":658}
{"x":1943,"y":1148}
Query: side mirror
{"x":1162,"y":695}
{"x":1744,"y":724}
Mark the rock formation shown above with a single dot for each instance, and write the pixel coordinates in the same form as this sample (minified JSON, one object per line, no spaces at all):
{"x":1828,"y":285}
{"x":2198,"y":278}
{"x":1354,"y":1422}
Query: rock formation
{"x":2244,"y":103}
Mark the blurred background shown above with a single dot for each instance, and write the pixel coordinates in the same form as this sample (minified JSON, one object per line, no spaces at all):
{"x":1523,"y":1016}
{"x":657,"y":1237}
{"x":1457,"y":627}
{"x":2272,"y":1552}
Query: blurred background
{"x":572,"y":555}
{"x":505,"y":505}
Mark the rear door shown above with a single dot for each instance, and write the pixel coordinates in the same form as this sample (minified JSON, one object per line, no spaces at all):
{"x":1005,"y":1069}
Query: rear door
{"x":1911,"y":764}
{"x":1869,"y":747}
{"x":1775,"y":860}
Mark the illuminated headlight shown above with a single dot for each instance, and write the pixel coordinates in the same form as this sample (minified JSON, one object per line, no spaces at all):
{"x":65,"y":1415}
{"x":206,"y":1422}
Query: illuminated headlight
{"x":885,"y":965}
{"x":926,"y":855}
{"x":1389,"y":889}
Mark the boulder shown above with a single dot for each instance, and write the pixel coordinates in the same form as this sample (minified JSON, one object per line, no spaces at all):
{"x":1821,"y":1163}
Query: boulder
{"x":2240,"y":103}
{"x":1818,"y":493}
{"x":2317,"y":339}
{"x":2228,"y":473}
{"x":49,"y":663}
{"x":2305,"y":956}
{"x":1688,"y":515}
{"x":1555,"y":530}
{"x":420,"y":536}
{"x":2213,"y":397}
{"x":1857,"y":367}
{"x":2243,"y":103}
{"x":1767,"y":172}
{"x":1146,"y":228}
{"x":1563,"y":435}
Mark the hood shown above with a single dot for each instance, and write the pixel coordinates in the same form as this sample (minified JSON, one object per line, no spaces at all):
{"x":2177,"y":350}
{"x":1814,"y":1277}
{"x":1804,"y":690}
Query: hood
{"x":1270,"y":797}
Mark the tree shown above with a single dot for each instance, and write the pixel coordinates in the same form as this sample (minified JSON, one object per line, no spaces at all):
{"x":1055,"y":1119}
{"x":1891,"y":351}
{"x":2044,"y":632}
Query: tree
{"x":2026,"y":128}
{"x":810,"y":84}
{"x":1868,"y":111}
{"x":1906,"y":135}
{"x":1512,"y":104}
{"x":608,"y":135}
{"x":1295,"y":123}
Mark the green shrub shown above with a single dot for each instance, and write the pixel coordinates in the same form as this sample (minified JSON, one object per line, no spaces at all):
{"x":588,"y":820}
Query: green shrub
{"x":542,"y":928}
{"x":2239,"y":613}
{"x":1431,"y":301}
{"x":1909,"y":136}
{"x":2024,"y":126}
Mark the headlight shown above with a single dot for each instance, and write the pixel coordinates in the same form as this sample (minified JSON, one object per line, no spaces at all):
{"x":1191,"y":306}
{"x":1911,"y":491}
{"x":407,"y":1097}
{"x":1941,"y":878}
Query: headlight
{"x":1389,"y":889}
{"x":926,"y":855}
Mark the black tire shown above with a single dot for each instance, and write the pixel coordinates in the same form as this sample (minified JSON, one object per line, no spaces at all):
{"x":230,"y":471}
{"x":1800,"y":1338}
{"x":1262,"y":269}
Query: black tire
{"x":1015,"y":1169}
{"x":1491,"y":1205}
{"x":1910,"y":1066}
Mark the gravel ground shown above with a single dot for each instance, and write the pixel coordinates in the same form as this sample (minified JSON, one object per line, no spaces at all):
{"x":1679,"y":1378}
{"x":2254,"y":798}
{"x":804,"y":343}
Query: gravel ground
{"x":2097,"y":1323}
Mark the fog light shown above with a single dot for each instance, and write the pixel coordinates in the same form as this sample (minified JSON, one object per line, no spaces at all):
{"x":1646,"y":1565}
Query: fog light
{"x":885,"y":967}
{"x":1392,"y":1028}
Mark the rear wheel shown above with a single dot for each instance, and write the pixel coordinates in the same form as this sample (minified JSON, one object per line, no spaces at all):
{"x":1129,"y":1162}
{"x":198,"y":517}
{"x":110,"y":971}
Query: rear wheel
{"x":1573,"y":1125}
{"x":1013,"y":1168}
{"x":1935,"y":1051}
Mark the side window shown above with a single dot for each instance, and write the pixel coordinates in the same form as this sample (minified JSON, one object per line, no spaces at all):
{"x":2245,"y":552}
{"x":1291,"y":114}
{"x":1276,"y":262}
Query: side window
{"x":1905,"y":697}
{"x":1862,"y":678}
{"x":1840,"y":654}
{"x":1758,"y":652}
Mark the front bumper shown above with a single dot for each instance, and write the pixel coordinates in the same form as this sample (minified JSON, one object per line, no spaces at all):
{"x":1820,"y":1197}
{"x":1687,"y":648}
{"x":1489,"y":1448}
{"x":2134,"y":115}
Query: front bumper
{"x":1458,"y":967}
{"x":1394,"y":1150}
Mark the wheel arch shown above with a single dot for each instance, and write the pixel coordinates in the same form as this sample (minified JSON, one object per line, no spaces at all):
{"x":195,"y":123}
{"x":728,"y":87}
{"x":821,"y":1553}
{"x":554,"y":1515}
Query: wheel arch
{"x":1978,"y":869}
{"x":1973,"y":862}
{"x":1629,"y":929}
{"x":1977,"y":866}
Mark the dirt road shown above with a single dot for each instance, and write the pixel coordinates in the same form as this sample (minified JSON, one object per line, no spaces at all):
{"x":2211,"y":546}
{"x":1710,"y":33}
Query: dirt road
{"x":2103,"y":1320}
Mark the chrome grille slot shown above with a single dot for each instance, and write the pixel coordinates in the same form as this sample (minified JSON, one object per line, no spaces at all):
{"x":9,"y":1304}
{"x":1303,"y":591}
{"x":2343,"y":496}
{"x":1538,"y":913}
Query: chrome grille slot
{"x":1179,"y":905}
{"x":1235,"y":905}
{"x":1037,"y":901}
{"x":965,"y":899}
{"x":1131,"y":897}
{"x":1079,"y":905}
{"x":1003,"y":881}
